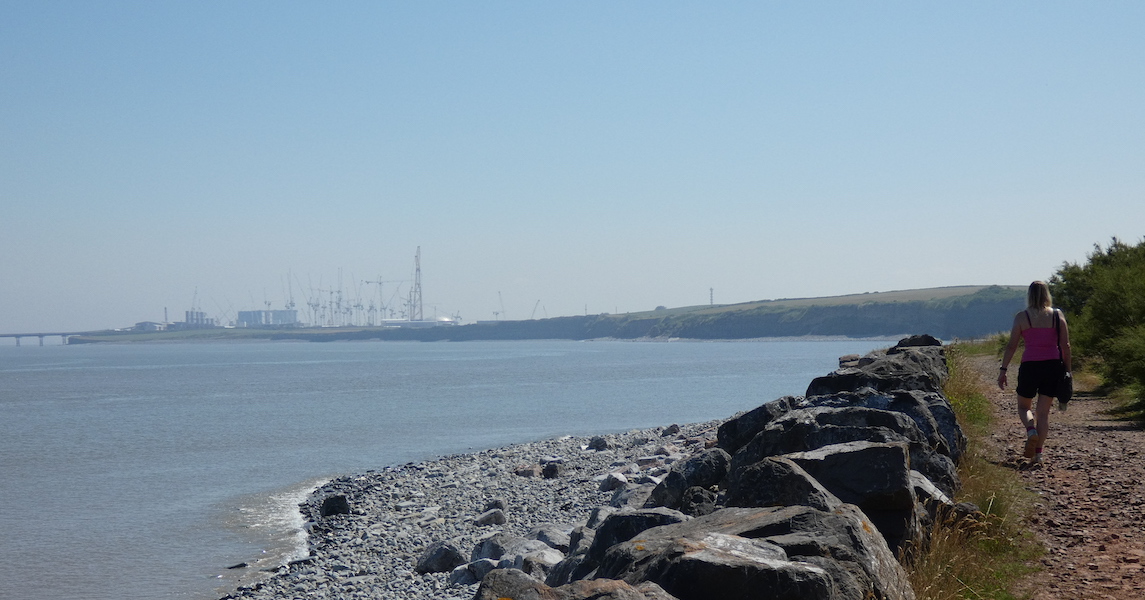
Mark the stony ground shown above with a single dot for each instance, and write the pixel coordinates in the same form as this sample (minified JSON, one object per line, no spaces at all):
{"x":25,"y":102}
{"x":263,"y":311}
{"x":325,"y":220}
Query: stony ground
{"x":397,"y":512}
{"x":1091,"y":511}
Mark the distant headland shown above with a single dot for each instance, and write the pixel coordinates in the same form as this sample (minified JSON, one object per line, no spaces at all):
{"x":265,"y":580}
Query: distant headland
{"x":946,"y":312}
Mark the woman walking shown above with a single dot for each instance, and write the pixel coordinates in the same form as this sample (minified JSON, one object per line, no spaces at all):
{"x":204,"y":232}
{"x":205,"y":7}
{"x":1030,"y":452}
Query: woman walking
{"x":1044,"y":330}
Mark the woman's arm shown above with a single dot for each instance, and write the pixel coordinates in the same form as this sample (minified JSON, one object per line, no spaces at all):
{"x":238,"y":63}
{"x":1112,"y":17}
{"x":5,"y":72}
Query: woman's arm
{"x":1011,"y":348}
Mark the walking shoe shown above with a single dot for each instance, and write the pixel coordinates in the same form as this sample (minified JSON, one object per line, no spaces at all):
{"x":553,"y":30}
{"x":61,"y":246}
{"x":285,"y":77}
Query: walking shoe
{"x":1032,"y":443}
{"x":1062,"y":405}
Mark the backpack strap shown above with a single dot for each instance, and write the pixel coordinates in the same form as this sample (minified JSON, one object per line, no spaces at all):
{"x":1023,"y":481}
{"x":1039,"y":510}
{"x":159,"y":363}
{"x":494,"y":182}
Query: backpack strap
{"x":1057,"y":334}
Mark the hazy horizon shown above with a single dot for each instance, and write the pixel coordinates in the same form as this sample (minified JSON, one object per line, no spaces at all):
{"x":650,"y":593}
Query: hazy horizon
{"x":553,"y":160}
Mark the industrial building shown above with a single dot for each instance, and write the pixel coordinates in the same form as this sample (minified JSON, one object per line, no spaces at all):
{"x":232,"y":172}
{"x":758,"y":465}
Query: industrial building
{"x":267,"y":318}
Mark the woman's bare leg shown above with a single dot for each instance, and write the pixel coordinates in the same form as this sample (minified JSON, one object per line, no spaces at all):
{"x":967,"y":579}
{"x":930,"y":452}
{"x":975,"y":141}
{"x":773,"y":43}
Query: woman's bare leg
{"x":1043,"y":419}
{"x":1026,"y":413}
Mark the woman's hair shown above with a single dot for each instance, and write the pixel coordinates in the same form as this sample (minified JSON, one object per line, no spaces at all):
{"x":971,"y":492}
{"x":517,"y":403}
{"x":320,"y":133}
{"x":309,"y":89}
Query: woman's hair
{"x":1038,"y":296}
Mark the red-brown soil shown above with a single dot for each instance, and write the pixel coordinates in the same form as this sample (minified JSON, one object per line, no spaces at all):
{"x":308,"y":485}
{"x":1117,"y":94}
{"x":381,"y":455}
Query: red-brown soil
{"x":1090,"y":514}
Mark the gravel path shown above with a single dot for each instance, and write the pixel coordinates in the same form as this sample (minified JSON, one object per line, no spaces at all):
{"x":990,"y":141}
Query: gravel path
{"x":1091,"y":514}
{"x":395,"y":513}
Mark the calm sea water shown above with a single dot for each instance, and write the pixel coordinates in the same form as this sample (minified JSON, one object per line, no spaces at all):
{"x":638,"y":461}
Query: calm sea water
{"x":143,"y":471}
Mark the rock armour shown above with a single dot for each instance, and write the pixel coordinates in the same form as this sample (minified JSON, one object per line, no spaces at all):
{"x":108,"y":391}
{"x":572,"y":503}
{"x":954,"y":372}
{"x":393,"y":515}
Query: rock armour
{"x":646,"y":514}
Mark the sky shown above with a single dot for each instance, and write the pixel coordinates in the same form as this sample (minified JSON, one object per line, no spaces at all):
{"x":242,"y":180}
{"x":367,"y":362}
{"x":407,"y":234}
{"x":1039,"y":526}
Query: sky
{"x":552,"y":159}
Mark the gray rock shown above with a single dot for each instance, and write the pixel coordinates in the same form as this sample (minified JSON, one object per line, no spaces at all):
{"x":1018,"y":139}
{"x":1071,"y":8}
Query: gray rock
{"x":709,"y":565}
{"x":779,"y":481}
{"x":441,"y":557}
{"x":481,"y":568}
{"x":572,"y":568}
{"x":903,"y":368}
{"x":491,"y":517}
{"x":823,"y":551}
{"x":540,"y":561}
{"x":509,"y":583}
{"x":610,"y":589}
{"x":554,"y":536}
{"x":849,"y":360}
{"x":580,"y":539}
{"x":704,"y":469}
{"x":913,"y":404}
{"x":876,"y":478}
{"x":934,"y":500}
{"x":336,"y":504}
{"x":817,"y":426}
{"x":699,"y":501}
{"x":632,"y":496}
{"x":528,"y":471}
{"x":626,"y":524}
{"x":553,"y":469}
{"x":495,"y":545}
{"x":599,"y":443}
{"x":810,"y":428}
{"x":918,"y":340}
{"x":598,"y":516}
{"x":462,"y":575}
{"x":736,"y":432}
{"x":613,"y":481}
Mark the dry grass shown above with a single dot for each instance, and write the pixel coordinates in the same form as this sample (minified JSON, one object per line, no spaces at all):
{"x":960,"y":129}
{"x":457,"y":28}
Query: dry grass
{"x":980,"y":557}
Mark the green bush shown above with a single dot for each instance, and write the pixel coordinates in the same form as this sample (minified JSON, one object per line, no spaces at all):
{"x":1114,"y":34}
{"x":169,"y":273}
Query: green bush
{"x":1105,"y":302}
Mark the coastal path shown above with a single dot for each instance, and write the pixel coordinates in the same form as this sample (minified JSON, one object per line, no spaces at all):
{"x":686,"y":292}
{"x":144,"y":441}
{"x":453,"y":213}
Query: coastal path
{"x":1090,"y":507}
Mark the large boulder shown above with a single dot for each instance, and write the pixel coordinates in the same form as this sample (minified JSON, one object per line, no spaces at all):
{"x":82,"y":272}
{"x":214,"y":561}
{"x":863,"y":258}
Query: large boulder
{"x":511,"y":583}
{"x":707,"y":565}
{"x":778,"y":481}
{"x":914,"y":404}
{"x":900,"y":368}
{"x":876,"y":477}
{"x":441,"y":557}
{"x":499,"y":544}
{"x":736,"y":432}
{"x":777,"y":552}
{"x":699,"y":501}
{"x":554,"y":535}
{"x":627,"y":524}
{"x":632,"y":495}
{"x":704,"y":470}
{"x":809,"y":428}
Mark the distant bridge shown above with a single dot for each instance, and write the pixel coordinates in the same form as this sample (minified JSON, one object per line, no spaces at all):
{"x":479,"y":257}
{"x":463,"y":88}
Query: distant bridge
{"x":63,"y":336}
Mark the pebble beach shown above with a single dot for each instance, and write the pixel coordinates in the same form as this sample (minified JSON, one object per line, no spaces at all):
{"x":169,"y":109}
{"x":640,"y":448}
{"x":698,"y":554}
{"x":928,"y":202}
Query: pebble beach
{"x":396,"y":513}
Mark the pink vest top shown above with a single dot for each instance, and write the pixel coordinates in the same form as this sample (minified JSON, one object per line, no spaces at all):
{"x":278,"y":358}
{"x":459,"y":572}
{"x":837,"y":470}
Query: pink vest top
{"x":1041,"y":343}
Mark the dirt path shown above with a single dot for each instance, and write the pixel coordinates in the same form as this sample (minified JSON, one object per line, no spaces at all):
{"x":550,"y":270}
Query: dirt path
{"x":1091,"y":514}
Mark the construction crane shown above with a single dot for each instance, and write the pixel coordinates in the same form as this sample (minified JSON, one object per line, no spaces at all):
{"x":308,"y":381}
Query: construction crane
{"x":496,"y":314}
{"x":382,"y":304}
{"x":415,"y":301}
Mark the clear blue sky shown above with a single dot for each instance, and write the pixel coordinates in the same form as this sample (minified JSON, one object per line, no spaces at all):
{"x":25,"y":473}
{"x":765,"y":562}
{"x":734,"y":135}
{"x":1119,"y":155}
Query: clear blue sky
{"x":599,"y":156}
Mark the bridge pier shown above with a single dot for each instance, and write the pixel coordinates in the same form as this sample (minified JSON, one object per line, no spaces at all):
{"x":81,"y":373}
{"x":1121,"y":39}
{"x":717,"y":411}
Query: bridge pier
{"x":17,"y":341}
{"x":41,"y":340}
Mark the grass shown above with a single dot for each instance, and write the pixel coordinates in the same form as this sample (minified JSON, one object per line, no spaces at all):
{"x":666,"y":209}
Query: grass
{"x":982,"y":557}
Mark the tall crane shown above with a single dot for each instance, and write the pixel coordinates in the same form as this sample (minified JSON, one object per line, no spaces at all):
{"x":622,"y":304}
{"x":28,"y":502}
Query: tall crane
{"x":415,"y":301}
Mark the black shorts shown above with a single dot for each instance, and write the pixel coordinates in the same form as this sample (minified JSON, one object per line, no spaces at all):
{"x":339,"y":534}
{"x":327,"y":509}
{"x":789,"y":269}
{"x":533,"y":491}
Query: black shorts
{"x":1039,"y":377}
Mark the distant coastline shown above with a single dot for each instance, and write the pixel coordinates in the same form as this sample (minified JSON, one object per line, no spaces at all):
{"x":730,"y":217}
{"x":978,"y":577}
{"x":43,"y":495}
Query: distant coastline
{"x":947,"y":313}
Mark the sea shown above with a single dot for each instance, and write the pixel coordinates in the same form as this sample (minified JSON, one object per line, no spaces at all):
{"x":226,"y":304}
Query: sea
{"x":144,"y":471}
